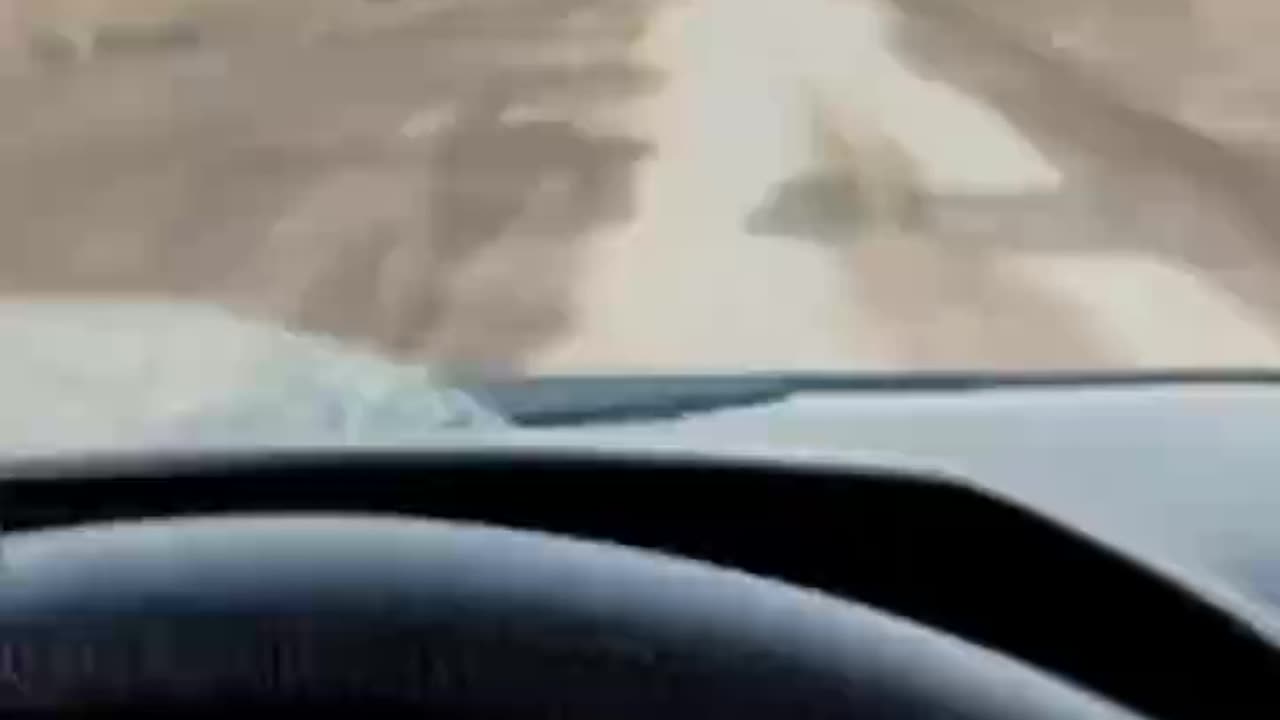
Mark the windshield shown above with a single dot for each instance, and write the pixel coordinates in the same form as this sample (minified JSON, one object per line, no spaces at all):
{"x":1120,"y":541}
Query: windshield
{"x":489,"y":188}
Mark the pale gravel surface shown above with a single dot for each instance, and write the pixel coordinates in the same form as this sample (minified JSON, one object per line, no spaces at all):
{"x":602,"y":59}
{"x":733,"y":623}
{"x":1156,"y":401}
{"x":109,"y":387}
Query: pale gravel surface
{"x":569,"y":185}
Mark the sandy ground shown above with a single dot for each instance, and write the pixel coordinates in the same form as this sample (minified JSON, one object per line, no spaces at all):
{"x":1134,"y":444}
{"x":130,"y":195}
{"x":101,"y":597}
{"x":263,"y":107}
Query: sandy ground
{"x":632,"y":185}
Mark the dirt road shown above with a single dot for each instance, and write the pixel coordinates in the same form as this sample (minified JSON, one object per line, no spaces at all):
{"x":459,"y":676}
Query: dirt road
{"x":566,"y":185}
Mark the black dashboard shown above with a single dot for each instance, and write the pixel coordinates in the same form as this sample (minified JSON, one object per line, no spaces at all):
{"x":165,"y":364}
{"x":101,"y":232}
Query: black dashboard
{"x":931,"y":547}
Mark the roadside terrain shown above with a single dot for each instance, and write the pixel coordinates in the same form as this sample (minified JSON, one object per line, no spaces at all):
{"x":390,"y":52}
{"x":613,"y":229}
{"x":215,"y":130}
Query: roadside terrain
{"x":634,"y":185}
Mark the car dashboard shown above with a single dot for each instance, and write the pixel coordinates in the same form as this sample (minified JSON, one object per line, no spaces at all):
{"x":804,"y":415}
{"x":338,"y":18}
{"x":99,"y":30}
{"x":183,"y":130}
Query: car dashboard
{"x":1096,"y":538}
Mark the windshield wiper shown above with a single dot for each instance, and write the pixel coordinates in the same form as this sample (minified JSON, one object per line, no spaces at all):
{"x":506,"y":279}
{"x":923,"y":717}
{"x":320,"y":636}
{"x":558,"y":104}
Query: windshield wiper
{"x":561,"y":401}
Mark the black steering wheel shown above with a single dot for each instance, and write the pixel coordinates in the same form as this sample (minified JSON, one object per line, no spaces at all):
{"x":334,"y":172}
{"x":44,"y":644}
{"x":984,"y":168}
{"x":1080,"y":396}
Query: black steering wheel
{"x":212,"y":616}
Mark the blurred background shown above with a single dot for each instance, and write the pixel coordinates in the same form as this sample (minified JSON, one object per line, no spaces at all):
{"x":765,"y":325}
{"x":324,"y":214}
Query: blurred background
{"x":532,"y":186}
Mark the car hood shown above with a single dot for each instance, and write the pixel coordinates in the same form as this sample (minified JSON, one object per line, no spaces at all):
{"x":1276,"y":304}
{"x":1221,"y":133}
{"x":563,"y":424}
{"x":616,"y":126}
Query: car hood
{"x":1178,"y":471}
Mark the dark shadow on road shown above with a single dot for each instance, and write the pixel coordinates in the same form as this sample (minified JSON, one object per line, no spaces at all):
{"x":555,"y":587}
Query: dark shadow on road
{"x":814,"y":205}
{"x":422,"y":187}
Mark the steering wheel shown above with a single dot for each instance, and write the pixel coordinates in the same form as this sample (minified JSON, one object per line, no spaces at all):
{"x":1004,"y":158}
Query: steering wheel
{"x":212,"y":616}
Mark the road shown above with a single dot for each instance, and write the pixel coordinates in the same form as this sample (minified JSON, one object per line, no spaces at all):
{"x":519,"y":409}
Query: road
{"x":635,"y":185}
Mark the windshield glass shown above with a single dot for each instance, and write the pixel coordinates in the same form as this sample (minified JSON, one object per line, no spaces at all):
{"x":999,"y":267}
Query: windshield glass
{"x":532,"y":187}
